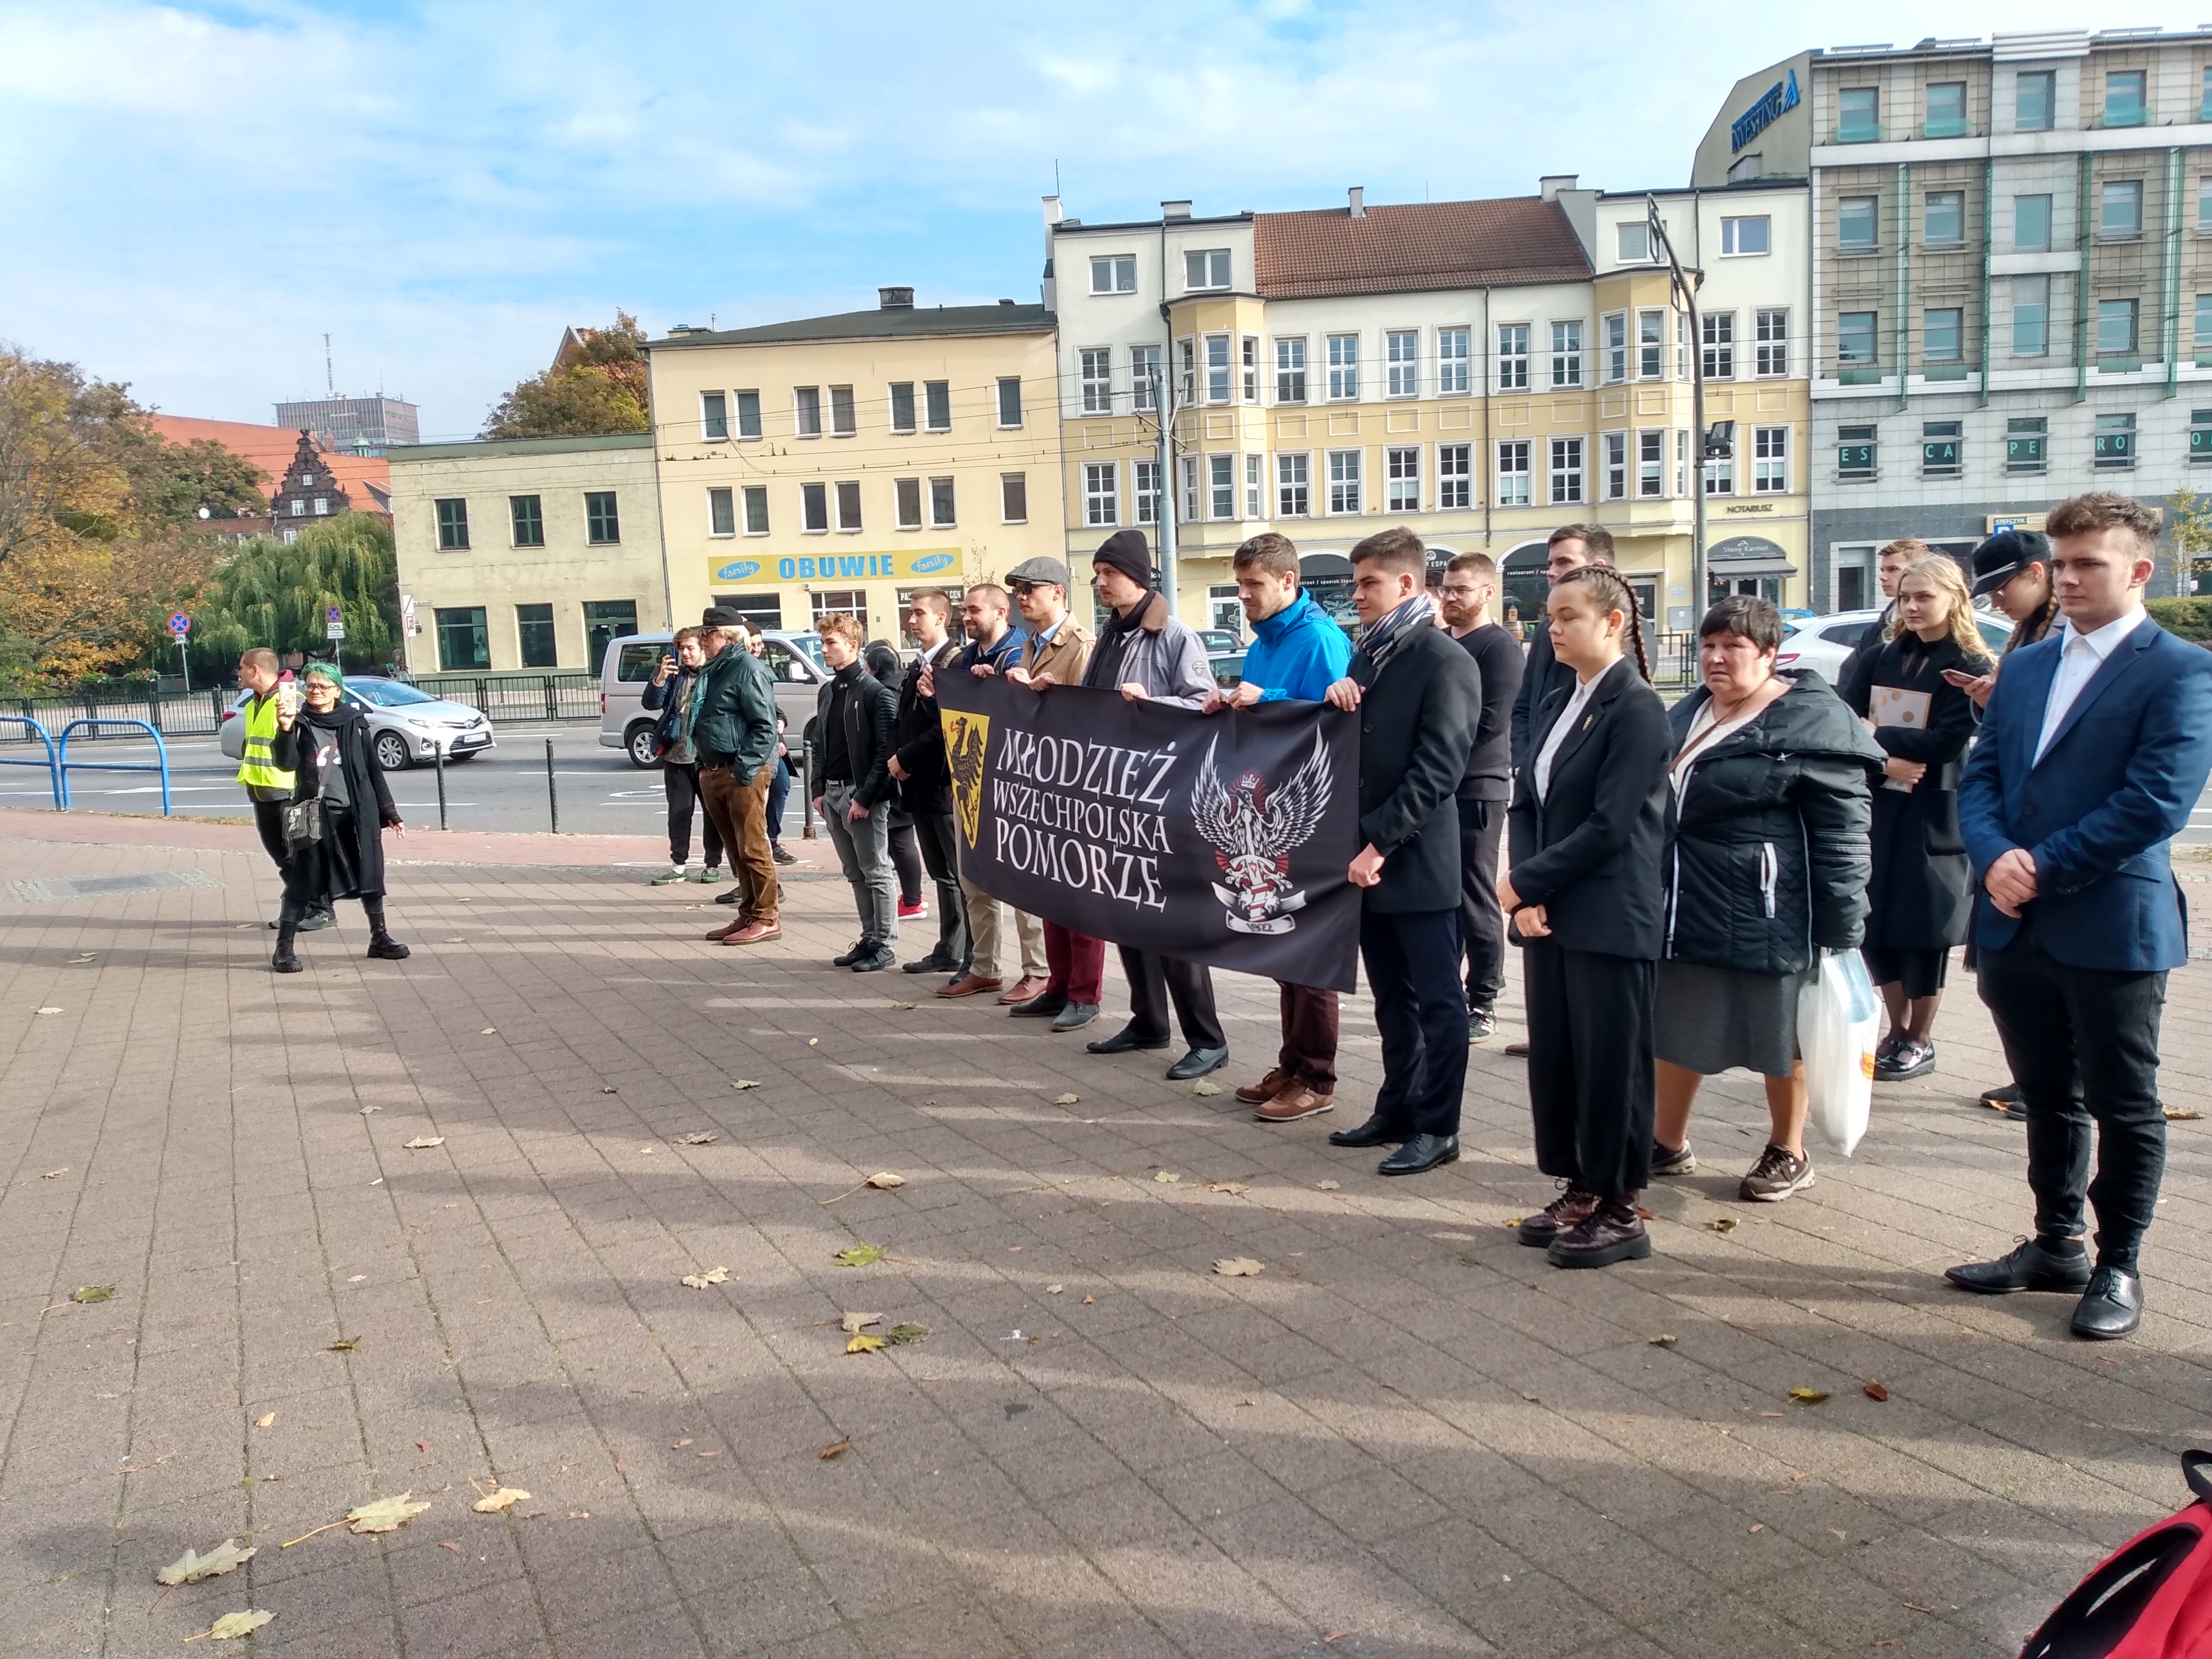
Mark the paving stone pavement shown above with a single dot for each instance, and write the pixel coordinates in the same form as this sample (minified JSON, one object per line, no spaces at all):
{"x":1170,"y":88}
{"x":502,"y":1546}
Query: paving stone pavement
{"x":1406,"y":1436}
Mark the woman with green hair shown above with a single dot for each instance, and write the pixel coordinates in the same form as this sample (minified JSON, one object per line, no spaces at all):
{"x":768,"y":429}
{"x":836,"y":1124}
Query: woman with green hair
{"x":326,"y":744}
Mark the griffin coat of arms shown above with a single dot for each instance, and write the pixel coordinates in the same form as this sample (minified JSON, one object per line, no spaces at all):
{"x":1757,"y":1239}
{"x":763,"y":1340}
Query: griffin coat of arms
{"x":1252,"y":830}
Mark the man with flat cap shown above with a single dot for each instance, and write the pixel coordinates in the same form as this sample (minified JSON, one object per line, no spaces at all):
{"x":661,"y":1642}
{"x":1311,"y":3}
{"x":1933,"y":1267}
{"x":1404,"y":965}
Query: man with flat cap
{"x":732,"y":722}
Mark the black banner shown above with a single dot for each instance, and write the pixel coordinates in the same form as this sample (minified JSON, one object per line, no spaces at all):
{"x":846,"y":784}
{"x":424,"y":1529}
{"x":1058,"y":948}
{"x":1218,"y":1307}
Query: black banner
{"x":1220,"y":838}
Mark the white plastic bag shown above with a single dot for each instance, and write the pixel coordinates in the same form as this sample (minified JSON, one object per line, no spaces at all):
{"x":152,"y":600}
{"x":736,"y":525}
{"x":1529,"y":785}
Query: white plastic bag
{"x":1837,"y":1026}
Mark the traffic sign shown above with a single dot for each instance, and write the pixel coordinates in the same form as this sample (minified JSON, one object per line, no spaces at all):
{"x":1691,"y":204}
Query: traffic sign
{"x":179,"y":623}
{"x":334,"y":614}
{"x":335,"y":630}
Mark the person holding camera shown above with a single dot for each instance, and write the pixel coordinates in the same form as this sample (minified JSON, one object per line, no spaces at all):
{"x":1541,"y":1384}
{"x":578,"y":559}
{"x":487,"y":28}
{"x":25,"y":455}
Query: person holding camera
{"x":669,"y":692}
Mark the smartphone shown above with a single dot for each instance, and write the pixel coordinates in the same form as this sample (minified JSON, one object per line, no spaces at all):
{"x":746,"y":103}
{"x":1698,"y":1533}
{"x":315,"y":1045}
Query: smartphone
{"x":1958,"y":677}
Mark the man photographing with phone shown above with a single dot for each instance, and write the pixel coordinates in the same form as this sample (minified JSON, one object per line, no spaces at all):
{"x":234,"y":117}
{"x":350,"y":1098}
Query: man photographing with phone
{"x":670,"y":693}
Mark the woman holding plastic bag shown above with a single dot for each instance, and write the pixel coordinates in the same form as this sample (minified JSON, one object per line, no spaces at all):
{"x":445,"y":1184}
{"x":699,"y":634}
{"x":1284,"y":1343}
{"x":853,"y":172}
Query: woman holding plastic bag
{"x":1766,"y":867}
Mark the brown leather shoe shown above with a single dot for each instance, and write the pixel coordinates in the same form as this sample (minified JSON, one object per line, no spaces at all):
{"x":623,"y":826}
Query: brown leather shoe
{"x":754,"y":932}
{"x":1027,"y":988}
{"x":1612,"y":1232}
{"x":1259,"y":1093}
{"x":721,"y":934}
{"x":969,"y":984}
{"x":1568,"y":1210}
{"x":1297,"y":1101}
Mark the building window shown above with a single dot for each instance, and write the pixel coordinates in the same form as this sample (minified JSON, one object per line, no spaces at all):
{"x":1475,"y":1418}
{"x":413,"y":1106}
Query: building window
{"x":452,"y":523}
{"x":1858,"y":115}
{"x":534,"y":638}
{"x":2123,"y":98}
{"x":1256,"y":486}
{"x":1717,"y":355}
{"x":1773,"y":342}
{"x":756,"y":509}
{"x":1615,"y":329}
{"x":1631,"y":243}
{"x":1566,"y":471}
{"x":1221,"y":486}
{"x":2200,"y":436}
{"x":527,"y":514}
{"x":1451,"y":362}
{"x":1290,"y":371}
{"x":848,"y":504}
{"x":1190,"y":490}
{"x":2204,"y":97}
{"x":814,"y":508}
{"x":2116,"y":442}
{"x":1216,"y":369}
{"x":2204,"y":206}
{"x":1940,"y":334}
{"x":1293,"y":487}
{"x":1858,"y":219}
{"x":1013,"y":498}
{"x":2119,"y":210}
{"x":1513,"y":358}
{"x":602,"y":525}
{"x":1097,"y":365}
{"x":2034,"y":100}
{"x":1343,"y":366}
{"x":1102,"y":500}
{"x":721,"y":512}
{"x":2031,"y":316}
{"x":942,"y":515}
{"x":1742,"y":238}
{"x":1114,"y":273}
{"x":1615,"y":448}
{"x":906,"y":497}
{"x":2031,"y":224}
{"x":1855,"y":454}
{"x":806,"y":411}
{"x":1401,"y":480}
{"x":1248,"y":360}
{"x":2024,"y":441}
{"x":1938,"y":449}
{"x":1206,"y":270}
{"x":1770,"y":460}
{"x":1720,"y":476}
{"x":1854,"y":338}
{"x":1187,"y":372}
{"x":842,"y":601}
{"x":1943,"y":218}
{"x":1145,"y":378}
{"x":464,"y":641}
{"x":1455,"y":476}
{"x":2116,"y":328}
{"x":299,"y":507}
{"x":937,"y":405}
{"x":713,"y":416}
{"x":1401,"y":351}
{"x":1513,"y":473}
{"x":1344,"y":480}
{"x":1946,"y":116}
{"x":1147,"y":487}
{"x":2203,"y":326}
{"x":1566,"y":354}
{"x":1010,"y":400}
{"x":1650,"y":464}
{"x":902,"y":406}
{"x":1681,"y":461}
{"x":1650,"y":345}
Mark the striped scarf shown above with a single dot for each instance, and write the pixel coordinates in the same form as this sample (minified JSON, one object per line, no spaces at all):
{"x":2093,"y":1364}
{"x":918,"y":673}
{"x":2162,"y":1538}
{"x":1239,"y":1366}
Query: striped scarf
{"x":1381,"y":641}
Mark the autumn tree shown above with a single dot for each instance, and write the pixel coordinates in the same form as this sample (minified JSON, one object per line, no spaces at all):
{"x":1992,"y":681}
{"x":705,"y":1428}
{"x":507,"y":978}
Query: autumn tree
{"x":601,"y":391}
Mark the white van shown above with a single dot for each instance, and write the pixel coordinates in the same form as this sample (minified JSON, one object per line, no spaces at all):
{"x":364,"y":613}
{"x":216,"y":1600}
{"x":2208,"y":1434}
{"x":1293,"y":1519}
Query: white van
{"x":794,"y":663}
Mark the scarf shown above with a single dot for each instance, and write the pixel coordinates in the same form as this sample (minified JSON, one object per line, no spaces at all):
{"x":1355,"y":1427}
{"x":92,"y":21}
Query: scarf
{"x":1381,"y":641}
{"x":1120,"y":622}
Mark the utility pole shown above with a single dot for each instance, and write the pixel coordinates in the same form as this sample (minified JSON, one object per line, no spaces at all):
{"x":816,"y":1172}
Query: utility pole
{"x":1686,"y":290}
{"x":1163,"y":405}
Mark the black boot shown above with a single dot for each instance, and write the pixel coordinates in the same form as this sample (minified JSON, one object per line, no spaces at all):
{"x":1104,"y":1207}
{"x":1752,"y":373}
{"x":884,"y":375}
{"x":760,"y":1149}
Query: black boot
{"x":382,"y":947}
{"x":287,"y":927}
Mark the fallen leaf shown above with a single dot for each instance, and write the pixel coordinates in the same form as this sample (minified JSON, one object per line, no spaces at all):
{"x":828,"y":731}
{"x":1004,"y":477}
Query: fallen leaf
{"x":1053,"y":1289}
{"x":190,"y":1567}
{"x":884,"y":1181}
{"x":53,"y":1175}
{"x":444,"y":1544}
{"x":489,"y":1030}
{"x":814,"y":1043}
{"x":422,"y":1143}
{"x":1069,"y":1100}
{"x":2182,"y":1114}
{"x":385,"y":1514}
{"x":1329,"y":1186}
{"x":1662,"y":1341}
{"x":1809,"y":1396}
{"x":1876,"y":1391}
{"x":579,"y":1514}
{"x":1234,"y":1189}
{"x":1916,"y":1607}
{"x":609,"y":1089}
{"x":1202,"y":1087}
{"x":902,"y":1006}
{"x":1088,"y":1300}
{"x":746,"y":1082}
{"x":860,"y":1255}
{"x":835,"y":1449}
{"x":864,"y":1344}
{"x":698,"y":1137}
{"x":1758,"y":1526}
{"x":345,"y":1345}
{"x":87,"y":956}
{"x":1727,"y":1223}
{"x":906,"y":1332}
{"x":707,"y":1454}
{"x":92,"y":1292}
{"x":853,"y":1323}
{"x":50,"y":1010}
{"x":264,"y":1420}
{"x":1239,"y":1266}
{"x":711,"y":1276}
{"x":1164,"y":1175}
{"x":362,"y":1278}
{"x":505,"y":1499}
{"x":232,"y":1626}
{"x":366,"y":1110}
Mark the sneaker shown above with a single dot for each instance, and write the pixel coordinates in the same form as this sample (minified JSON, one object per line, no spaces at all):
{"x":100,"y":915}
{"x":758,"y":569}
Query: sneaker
{"x":878,"y":957}
{"x":2006,"y":1102}
{"x":710,"y":875}
{"x":1908,"y":1059}
{"x":1259,"y":1093}
{"x":918,"y":911}
{"x":861,"y":947}
{"x":1612,"y":1232}
{"x":735,"y":896}
{"x":1481,"y":1024}
{"x":1679,"y":1161}
{"x":668,"y":877}
{"x":1297,"y":1101}
{"x":775,"y":851}
{"x":1568,"y":1211}
{"x":1776,"y":1175}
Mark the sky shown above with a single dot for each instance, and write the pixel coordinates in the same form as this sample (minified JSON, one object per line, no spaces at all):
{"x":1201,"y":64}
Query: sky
{"x":194,"y":194}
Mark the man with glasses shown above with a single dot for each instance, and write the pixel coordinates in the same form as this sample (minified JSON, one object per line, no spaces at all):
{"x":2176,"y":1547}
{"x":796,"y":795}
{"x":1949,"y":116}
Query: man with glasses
{"x":1470,"y":585}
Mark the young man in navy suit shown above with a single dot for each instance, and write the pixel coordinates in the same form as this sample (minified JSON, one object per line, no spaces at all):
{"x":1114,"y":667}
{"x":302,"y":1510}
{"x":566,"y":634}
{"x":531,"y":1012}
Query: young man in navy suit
{"x":2094,"y":748}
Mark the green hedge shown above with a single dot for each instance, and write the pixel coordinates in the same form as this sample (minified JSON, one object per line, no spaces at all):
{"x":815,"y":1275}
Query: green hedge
{"x":2188,"y":619}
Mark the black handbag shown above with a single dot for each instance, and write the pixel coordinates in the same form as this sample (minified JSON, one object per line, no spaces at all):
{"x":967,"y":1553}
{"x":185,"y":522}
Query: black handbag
{"x":303,"y":822}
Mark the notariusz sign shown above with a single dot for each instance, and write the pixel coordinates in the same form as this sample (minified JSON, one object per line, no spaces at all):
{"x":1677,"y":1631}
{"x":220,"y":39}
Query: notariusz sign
{"x":1782,"y":96}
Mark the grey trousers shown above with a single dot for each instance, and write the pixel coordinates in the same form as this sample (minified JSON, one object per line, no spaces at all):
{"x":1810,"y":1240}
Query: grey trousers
{"x":864,"y":853}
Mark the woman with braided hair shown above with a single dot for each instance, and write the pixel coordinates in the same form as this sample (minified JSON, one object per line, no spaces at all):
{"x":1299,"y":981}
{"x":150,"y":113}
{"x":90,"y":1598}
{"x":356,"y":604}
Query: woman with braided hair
{"x":1584,"y":898}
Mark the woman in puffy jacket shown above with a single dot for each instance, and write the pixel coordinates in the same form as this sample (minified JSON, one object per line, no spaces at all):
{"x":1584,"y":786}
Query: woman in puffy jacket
{"x":1766,"y":866}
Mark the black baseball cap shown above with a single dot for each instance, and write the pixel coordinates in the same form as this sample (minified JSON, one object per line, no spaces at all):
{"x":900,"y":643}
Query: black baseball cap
{"x":2005,"y":555}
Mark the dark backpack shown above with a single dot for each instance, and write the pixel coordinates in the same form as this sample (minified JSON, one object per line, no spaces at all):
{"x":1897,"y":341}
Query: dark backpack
{"x":2151,"y":1598}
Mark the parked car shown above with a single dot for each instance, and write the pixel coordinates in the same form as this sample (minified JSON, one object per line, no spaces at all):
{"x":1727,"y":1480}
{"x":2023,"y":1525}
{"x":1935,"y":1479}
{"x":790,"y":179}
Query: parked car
{"x":406,"y":726}
{"x":1220,"y":641}
{"x":794,"y":663}
{"x":1824,"y":644}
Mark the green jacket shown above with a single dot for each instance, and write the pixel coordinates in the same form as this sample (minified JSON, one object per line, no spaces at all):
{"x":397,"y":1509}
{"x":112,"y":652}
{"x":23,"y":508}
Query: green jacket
{"x":734,"y":721}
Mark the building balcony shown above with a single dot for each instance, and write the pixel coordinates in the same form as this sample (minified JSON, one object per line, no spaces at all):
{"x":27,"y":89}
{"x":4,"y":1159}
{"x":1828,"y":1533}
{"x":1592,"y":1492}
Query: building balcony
{"x":1947,"y":127}
{"x":1859,"y":133}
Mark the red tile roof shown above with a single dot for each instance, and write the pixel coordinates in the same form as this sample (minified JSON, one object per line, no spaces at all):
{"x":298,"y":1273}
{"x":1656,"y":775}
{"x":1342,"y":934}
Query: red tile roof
{"x":1412,"y":246}
{"x":367,"y":479}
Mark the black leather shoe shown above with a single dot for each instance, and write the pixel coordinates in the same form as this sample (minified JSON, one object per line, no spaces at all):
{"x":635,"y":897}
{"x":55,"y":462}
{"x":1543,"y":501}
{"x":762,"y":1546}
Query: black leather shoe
{"x":1376,"y":1132}
{"x":932,"y":963}
{"x":1125,"y":1041}
{"x":1197,"y":1063}
{"x":2113,"y":1306}
{"x":382,"y":947}
{"x":2028,"y":1267}
{"x":1043,"y":1007}
{"x":1421,"y":1152}
{"x":1612,"y":1232}
{"x":861,"y":948}
{"x":1075,"y":1017}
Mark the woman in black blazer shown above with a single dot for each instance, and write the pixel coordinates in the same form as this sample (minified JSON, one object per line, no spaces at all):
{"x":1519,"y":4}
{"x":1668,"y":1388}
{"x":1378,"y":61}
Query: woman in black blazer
{"x":1920,"y":897}
{"x":1585,"y":895}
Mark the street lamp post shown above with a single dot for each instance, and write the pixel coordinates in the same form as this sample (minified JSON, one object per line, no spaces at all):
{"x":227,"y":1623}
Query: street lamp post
{"x":1684,"y":285}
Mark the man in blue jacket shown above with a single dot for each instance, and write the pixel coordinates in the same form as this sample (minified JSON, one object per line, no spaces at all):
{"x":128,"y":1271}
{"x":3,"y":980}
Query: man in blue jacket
{"x":1297,"y":654}
{"x":2094,"y":748}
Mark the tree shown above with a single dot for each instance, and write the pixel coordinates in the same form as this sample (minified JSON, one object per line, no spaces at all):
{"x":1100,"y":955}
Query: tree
{"x":275,"y":593}
{"x":602,"y":391}
{"x":55,"y":481}
{"x":2189,"y":524}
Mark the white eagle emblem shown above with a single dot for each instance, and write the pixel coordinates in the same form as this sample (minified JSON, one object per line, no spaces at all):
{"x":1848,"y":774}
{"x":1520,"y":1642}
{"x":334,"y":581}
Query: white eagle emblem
{"x":1252,"y":831}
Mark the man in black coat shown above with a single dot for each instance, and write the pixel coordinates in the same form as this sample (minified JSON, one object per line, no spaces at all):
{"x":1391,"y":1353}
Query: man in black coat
{"x":1571,"y":545}
{"x":1470,"y":583}
{"x":1419,"y":700}
{"x":856,"y":717}
{"x":924,"y":785}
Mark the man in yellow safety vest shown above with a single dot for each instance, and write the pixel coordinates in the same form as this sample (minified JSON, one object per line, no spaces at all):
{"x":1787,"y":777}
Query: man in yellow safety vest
{"x":267,"y":785}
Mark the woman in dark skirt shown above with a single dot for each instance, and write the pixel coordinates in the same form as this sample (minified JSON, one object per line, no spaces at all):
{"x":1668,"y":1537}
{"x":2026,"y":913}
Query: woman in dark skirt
{"x":1920,"y":896}
{"x":326,"y":744}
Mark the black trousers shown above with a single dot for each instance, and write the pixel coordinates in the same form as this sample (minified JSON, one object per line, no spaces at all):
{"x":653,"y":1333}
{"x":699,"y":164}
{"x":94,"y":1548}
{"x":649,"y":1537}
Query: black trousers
{"x":1481,"y":923}
{"x":1591,"y":1088}
{"x":940,"y":857}
{"x":1412,"y":969}
{"x":2082,"y":1043}
{"x":682,"y":783}
{"x":1154,"y":980}
{"x":906,"y":858}
{"x":299,"y":889}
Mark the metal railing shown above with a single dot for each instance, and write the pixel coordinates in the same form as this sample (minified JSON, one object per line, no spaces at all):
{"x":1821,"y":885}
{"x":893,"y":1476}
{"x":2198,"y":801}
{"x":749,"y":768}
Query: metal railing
{"x":32,"y":728}
{"x":160,"y":763}
{"x":551,"y":697}
{"x":173,"y":714}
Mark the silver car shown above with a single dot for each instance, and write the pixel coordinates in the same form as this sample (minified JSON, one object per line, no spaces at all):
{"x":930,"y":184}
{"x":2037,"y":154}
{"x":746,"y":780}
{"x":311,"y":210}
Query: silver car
{"x":1824,"y":644}
{"x":406,"y":726}
{"x":793,"y":663}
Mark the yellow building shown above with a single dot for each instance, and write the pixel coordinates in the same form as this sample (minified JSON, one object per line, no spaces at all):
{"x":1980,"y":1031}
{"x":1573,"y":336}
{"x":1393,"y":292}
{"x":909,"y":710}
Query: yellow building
{"x":836,"y":463}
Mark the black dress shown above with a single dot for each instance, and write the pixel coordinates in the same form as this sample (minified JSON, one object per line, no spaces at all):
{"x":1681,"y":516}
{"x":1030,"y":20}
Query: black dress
{"x":330,"y":752}
{"x":1920,"y":896}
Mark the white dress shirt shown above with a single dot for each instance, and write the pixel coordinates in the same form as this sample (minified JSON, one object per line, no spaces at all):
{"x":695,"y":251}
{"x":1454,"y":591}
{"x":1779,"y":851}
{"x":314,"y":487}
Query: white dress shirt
{"x":2080,"y":657}
{"x":1576,"y":701}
